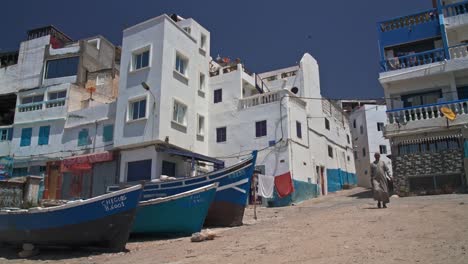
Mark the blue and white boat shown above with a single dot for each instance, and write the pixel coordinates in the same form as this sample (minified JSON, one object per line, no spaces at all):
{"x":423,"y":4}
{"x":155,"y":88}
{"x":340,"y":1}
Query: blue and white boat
{"x":102,"y":221}
{"x":231,"y":197}
{"x":180,"y":214}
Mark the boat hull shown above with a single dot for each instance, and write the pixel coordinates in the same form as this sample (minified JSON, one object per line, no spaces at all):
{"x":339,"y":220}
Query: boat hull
{"x":232,"y":193}
{"x":175,"y":216}
{"x":104,"y":221}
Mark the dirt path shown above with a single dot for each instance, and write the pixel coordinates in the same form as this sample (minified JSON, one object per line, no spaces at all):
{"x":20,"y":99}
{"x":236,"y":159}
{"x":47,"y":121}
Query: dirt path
{"x":339,"y":228}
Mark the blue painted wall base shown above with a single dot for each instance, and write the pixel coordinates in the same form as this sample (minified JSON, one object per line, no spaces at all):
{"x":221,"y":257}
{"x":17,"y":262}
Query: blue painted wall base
{"x":302,"y":191}
{"x":336,"y":178}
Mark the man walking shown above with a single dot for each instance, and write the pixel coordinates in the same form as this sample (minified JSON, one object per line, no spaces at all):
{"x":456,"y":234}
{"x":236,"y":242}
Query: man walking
{"x":379,"y":176}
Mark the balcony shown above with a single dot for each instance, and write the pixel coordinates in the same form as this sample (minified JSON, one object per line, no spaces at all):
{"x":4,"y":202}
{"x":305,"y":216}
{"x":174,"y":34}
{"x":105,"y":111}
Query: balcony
{"x":425,"y":117}
{"x":455,"y":9}
{"x":416,"y":59}
{"x":268,"y":98}
{"x":405,"y":29}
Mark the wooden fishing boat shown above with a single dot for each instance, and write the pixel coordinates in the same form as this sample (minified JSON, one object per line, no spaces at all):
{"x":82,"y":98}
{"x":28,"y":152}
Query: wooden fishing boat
{"x":231,"y":197}
{"x":180,"y":214}
{"x":102,"y":221}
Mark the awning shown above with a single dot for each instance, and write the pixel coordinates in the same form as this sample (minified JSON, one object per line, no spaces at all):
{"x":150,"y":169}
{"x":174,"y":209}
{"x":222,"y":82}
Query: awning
{"x":192,"y":155}
{"x":83,"y":162}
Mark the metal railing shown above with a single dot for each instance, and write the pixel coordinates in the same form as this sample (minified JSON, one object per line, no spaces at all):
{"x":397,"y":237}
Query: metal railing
{"x":408,"y":21}
{"x":267,"y":98}
{"x":30,"y":107}
{"x":412,"y":60}
{"x":55,"y":103}
{"x":425,"y":112}
{"x":455,"y":9}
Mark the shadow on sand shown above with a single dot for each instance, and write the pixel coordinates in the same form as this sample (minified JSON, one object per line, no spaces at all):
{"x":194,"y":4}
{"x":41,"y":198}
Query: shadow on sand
{"x":54,"y":253}
{"x":366,"y":194}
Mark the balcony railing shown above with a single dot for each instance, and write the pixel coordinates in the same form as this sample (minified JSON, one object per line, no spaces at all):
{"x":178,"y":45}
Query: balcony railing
{"x":409,"y":21}
{"x":459,"y":51}
{"x":267,"y":98}
{"x":30,"y":107}
{"x":413,"y":60}
{"x":55,"y":103}
{"x":425,"y":112}
{"x":455,"y":9}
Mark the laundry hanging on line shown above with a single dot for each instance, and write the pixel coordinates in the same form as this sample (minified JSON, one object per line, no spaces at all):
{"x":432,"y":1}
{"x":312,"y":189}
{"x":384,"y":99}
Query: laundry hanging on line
{"x":266,"y":185}
{"x":284,"y":184}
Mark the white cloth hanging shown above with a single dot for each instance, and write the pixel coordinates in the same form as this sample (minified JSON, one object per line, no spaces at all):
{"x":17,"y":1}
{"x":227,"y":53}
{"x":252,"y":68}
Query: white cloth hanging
{"x":266,"y":185}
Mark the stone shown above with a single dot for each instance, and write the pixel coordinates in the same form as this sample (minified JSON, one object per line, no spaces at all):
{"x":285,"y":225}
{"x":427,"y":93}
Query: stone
{"x":28,"y":247}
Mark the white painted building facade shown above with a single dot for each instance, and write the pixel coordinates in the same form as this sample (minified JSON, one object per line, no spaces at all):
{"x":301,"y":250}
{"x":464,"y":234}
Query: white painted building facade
{"x":218,"y":109}
{"x":367,"y":125}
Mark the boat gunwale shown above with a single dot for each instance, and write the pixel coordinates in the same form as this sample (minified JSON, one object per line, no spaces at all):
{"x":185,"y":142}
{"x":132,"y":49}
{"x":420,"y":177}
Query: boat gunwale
{"x":179,"y":195}
{"x":73,"y":203}
{"x":148,"y":186}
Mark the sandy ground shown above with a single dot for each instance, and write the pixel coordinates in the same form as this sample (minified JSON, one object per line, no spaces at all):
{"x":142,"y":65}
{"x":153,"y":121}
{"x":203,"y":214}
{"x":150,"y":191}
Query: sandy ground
{"x":340,"y":228}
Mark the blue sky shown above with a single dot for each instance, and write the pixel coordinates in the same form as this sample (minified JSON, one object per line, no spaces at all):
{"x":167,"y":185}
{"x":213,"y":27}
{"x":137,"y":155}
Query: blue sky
{"x":266,"y":35}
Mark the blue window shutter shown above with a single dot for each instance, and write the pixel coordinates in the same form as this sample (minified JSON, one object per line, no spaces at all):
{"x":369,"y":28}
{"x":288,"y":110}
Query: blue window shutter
{"x":44,"y":132}
{"x":26,"y":134}
{"x":83,"y":137}
{"x":108,"y":133}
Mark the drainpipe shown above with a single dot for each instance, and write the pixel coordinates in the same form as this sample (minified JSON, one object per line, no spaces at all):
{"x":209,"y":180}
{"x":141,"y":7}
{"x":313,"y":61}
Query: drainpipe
{"x":443,"y":32}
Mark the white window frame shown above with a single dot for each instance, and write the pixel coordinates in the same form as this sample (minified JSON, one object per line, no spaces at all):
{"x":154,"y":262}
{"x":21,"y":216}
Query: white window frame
{"x":130,"y":108}
{"x":200,"y":86}
{"x":98,"y":42}
{"x":184,"y":121}
{"x":198,"y":125}
{"x":187,"y":61}
{"x":138,"y":51}
{"x":100,"y":79}
{"x":58,"y":91}
{"x":203,"y":41}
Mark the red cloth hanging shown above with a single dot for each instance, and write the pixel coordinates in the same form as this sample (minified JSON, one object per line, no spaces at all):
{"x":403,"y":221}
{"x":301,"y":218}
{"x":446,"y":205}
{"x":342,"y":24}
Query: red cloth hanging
{"x":284,"y":184}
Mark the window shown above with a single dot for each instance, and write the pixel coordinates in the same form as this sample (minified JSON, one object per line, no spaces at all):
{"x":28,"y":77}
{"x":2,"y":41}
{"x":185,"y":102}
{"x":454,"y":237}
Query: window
{"x":179,"y":113}
{"x":221,"y":134}
{"x":330,"y":152}
{"x":139,"y":170}
{"x":347,"y":139}
{"x":355,"y":154}
{"x":137,"y":109}
{"x":383,"y":149}
{"x":19,"y":172}
{"x":349,"y":159}
{"x":57,"y":95}
{"x":168,"y":168}
{"x":83,"y":137}
{"x":188,"y":30}
{"x":100,"y":79}
{"x":26,"y":134}
{"x":201,"y":125}
{"x":44,"y":132}
{"x":141,"y":59}
{"x":6,"y":134}
{"x":354,"y":123}
{"x":363,"y":152}
{"x":298,"y":129}
{"x":32,"y":99}
{"x":181,"y":64}
{"x":62,"y":67}
{"x":218,"y":96}
{"x":95,"y":43}
{"x":261,"y":128}
{"x":361,"y":128}
{"x":380,"y":126}
{"x":203,"y":41}
{"x":108,"y":133}
{"x":201,"y":85}
{"x":327,"y":124}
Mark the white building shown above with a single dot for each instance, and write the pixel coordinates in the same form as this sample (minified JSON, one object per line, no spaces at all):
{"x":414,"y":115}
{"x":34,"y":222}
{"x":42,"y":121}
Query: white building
{"x":63,"y":106}
{"x":367,"y":125}
{"x":424,"y":58}
{"x":195,"y":107}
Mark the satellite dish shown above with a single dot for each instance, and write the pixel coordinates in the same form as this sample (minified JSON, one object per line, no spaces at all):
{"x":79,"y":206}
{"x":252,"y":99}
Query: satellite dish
{"x":448,"y":113}
{"x":294,"y":90}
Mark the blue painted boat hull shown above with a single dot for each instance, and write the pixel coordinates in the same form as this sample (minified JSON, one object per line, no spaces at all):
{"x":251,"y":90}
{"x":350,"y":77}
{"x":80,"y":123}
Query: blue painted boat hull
{"x":182,"y":214}
{"x":231,"y":197}
{"x":102,"y":221}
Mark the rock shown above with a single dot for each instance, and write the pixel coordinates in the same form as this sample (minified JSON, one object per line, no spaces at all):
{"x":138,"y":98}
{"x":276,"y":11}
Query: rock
{"x":395,"y":196}
{"x":28,"y":247}
{"x":209,"y":234}
{"x":28,"y":253}
{"x":197,"y":237}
